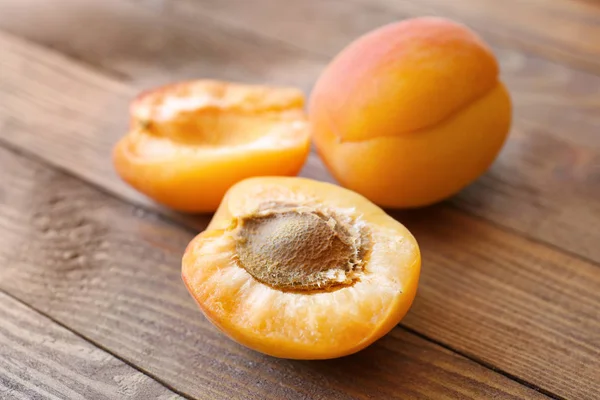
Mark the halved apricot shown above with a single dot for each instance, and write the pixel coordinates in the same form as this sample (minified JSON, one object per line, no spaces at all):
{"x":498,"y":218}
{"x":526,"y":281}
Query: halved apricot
{"x":189,"y":142}
{"x":302,"y":269}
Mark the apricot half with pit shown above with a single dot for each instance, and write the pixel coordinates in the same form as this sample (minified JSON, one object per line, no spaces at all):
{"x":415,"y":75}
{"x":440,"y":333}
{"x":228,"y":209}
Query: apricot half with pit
{"x":189,"y":142}
{"x":302,"y":269}
{"x":411,"y":113}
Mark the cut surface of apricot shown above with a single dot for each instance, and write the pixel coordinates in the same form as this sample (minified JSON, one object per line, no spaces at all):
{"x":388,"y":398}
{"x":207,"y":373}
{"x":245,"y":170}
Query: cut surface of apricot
{"x":301,"y":269}
{"x":411,"y":113}
{"x":189,"y":142}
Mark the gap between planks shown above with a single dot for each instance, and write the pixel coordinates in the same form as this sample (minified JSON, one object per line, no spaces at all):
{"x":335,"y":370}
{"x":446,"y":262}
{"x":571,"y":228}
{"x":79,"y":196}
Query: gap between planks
{"x":485,"y":364}
{"x":59,"y":324}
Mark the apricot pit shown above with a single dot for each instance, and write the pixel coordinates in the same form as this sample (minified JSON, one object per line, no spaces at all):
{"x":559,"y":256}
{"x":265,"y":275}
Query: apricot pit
{"x":298,"y":248}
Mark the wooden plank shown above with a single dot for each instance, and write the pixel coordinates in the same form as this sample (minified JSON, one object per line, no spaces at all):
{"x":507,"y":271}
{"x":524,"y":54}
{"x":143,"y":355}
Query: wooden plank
{"x":536,"y":317}
{"x":148,"y":48}
{"x":111,"y":272}
{"x":546,"y":177}
{"x":41,"y":359}
{"x":517,"y":24}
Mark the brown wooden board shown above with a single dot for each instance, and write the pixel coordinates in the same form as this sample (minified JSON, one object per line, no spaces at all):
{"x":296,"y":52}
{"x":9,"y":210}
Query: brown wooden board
{"x":511,"y":303}
{"x":545,"y":184}
{"x":39,"y":359}
{"x":147,"y":47}
{"x":560,"y":30}
{"x":111,"y":272}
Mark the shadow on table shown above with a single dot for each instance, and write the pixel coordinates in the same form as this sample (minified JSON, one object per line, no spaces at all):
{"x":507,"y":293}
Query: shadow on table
{"x":399,"y":363}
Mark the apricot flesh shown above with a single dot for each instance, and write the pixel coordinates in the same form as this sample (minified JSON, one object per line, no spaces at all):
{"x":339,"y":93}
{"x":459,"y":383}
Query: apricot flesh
{"x":189,"y":142}
{"x":411,"y":113}
{"x":301,"y":269}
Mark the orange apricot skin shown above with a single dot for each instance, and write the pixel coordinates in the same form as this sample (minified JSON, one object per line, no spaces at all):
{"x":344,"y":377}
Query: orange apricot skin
{"x":191,"y":184}
{"x":355,"y":337}
{"x":159,"y":156}
{"x":411,"y":113}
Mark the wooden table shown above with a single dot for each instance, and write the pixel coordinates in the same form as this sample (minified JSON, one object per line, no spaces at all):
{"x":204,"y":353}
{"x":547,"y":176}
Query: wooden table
{"x":91,"y":301}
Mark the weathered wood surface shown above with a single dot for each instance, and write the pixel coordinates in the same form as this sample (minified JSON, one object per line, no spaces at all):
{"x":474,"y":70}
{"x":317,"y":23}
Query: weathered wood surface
{"x":502,"y":334}
{"x":519,"y":294}
{"x":560,"y":30}
{"x":545,"y":185}
{"x":41,"y":360}
{"x":114,"y":276}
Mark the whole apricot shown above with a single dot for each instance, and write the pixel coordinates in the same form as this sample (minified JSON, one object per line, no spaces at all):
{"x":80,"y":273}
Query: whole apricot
{"x":411,"y":113}
{"x":302,"y":269}
{"x":189,"y":142}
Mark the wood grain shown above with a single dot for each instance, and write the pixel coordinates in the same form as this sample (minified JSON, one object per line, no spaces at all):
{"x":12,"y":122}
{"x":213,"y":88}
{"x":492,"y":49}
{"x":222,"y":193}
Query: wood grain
{"x":545,"y":184}
{"x":537,"y":315}
{"x":42,"y":360}
{"x":150,"y":48}
{"x":515,"y":24}
{"x":111,"y":272}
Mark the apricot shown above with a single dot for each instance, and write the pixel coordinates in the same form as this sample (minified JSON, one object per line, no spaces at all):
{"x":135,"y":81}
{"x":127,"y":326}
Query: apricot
{"x":189,"y":142}
{"x":301,"y":269}
{"x":411,"y":113}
